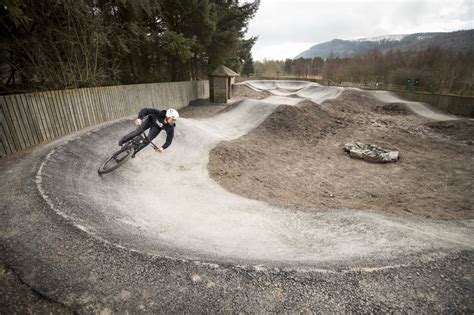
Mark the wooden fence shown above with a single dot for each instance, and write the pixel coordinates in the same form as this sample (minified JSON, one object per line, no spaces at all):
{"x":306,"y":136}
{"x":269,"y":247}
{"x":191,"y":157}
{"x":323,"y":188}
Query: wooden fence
{"x":29,"y":119}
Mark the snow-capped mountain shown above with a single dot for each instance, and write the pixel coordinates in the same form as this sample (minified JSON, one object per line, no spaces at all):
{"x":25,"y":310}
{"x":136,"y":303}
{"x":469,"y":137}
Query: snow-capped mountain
{"x":389,"y":38}
{"x":460,"y":41}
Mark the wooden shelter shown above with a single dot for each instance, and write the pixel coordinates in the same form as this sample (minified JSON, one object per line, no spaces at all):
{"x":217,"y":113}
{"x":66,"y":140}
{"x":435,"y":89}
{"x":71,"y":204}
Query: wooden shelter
{"x":220,"y":84}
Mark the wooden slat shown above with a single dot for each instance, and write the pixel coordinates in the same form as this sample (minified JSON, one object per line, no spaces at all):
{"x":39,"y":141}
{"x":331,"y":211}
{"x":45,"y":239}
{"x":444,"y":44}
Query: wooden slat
{"x":56,"y":114}
{"x":7,"y":127}
{"x":98,"y":104}
{"x":48,"y":110}
{"x":145,"y":92}
{"x":33,"y":100}
{"x":95,"y":106}
{"x":75,"y":109}
{"x":57,"y":117}
{"x":17,"y":121}
{"x":35,"y":123}
{"x":66,"y":111}
{"x":135,"y":95}
{"x":9,"y":118}
{"x":23,"y":122}
{"x":147,"y":95}
{"x":5,"y":135}
{"x":74,"y":118}
{"x":130,"y":99}
{"x":153,"y":93}
{"x":63,"y":113}
{"x":43,"y":112}
{"x":3,"y":150}
{"x":120,"y":102}
{"x":165,"y":99}
{"x":105,"y":104}
{"x":157,"y":97}
{"x":139,"y":97}
{"x":83,"y":105}
{"x":113,"y":102}
{"x":15,"y":116}
{"x":32,"y":119}
{"x":90,"y":107}
{"x":4,"y":140}
{"x":160,"y":97}
{"x":77,"y":105}
{"x":108,"y":104}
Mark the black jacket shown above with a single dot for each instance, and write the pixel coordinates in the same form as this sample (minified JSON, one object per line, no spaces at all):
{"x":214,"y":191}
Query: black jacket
{"x":158,"y":117}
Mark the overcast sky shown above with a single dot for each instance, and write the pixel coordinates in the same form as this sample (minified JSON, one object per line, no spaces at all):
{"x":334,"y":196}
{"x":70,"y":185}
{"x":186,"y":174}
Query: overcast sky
{"x":287,"y":27}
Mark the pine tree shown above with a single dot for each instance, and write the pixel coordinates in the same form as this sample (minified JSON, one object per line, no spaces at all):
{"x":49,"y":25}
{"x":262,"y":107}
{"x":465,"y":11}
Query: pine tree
{"x":248,"y":68}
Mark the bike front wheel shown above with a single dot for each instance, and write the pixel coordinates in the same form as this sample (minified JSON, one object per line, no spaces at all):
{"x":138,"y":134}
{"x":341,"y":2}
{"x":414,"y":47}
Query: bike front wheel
{"x":116,"y":160}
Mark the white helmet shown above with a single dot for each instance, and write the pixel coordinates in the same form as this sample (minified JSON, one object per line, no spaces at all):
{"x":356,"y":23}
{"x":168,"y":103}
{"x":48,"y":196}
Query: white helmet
{"x":172,"y":113}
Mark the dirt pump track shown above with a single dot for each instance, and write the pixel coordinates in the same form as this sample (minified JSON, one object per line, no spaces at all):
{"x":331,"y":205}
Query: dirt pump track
{"x":206,"y":223}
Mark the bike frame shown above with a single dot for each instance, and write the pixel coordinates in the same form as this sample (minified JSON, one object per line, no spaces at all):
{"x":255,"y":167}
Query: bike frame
{"x":148,"y":140}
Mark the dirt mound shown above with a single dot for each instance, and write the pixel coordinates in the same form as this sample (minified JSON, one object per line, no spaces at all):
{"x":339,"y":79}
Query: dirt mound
{"x":357,"y":102}
{"x":392,"y":109}
{"x":241,"y":90}
{"x":296,"y":159}
{"x":202,"y":108}
{"x":353,"y":101}
{"x":306,"y":123}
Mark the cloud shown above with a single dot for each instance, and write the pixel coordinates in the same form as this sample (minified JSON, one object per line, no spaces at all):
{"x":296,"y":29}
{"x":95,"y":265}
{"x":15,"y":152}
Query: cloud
{"x":280,"y":51}
{"x":284,"y":26}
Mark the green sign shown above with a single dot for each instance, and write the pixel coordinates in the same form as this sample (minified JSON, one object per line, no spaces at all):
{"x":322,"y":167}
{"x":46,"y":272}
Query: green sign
{"x":412,"y":83}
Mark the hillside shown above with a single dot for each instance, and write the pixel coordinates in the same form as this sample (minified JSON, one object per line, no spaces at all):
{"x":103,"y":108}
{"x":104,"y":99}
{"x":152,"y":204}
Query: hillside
{"x":460,"y":41}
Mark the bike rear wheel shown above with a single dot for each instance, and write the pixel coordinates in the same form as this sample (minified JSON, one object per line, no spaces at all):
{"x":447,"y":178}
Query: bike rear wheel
{"x":116,"y":160}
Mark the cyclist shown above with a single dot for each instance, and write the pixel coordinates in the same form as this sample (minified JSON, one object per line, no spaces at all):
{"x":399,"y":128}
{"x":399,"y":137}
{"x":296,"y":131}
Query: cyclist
{"x":156,"y":121}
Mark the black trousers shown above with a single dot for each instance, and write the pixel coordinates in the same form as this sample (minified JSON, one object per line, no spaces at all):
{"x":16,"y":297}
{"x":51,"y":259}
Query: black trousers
{"x":148,"y":123}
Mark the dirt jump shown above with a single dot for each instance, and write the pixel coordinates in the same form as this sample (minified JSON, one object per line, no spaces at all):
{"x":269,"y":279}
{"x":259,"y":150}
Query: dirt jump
{"x":261,"y":188}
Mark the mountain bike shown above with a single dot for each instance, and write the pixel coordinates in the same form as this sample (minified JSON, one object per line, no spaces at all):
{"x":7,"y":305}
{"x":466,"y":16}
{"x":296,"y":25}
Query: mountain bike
{"x":127,"y":151}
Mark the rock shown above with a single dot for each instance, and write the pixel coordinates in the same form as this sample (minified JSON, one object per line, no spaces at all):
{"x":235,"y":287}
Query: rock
{"x":196,"y":278}
{"x":371,"y":153}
